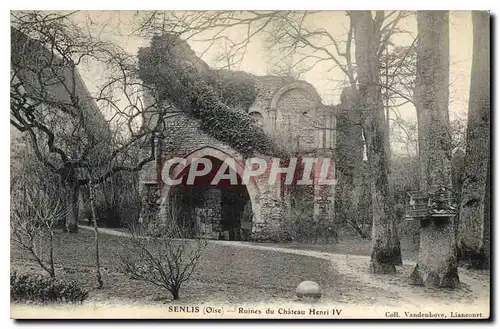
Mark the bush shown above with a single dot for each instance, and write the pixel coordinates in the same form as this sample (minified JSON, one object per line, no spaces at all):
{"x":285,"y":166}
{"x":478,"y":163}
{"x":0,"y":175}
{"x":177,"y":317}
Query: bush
{"x":166,"y":259}
{"x":38,"y":288}
{"x":300,"y":223}
{"x":116,"y":201}
{"x":301,"y":228}
{"x":277,"y":235}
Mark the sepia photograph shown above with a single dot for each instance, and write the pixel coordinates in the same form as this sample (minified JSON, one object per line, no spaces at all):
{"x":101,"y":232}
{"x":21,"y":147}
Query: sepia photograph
{"x":250,"y":164}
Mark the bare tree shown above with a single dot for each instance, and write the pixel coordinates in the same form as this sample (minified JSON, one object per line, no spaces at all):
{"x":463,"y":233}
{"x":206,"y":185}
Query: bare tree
{"x":385,"y":242}
{"x":51,"y":104}
{"x":167,"y":259}
{"x":225,"y":58}
{"x":209,"y":27}
{"x":34,"y":213}
{"x":287,"y":68}
{"x":471,"y":235}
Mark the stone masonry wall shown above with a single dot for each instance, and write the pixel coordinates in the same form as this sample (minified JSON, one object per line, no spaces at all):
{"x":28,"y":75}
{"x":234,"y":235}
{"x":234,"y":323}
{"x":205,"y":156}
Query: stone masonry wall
{"x":277,"y":105}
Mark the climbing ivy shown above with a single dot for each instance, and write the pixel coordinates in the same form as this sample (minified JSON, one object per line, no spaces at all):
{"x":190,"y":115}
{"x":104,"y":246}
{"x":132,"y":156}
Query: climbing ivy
{"x":179,"y":76}
{"x":235,"y":89}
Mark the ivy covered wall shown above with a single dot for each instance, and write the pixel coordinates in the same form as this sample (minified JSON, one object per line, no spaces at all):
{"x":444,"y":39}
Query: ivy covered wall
{"x":183,"y":79}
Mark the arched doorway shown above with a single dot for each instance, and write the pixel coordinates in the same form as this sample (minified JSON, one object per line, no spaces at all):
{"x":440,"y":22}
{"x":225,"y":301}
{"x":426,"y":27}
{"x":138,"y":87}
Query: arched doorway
{"x":223,"y":210}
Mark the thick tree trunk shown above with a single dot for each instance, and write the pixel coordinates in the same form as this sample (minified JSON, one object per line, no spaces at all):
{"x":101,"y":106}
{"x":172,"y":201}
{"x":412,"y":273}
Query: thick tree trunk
{"x":487,"y":220}
{"x":175,"y":293}
{"x":386,"y":106}
{"x":472,"y":207}
{"x":437,"y":264}
{"x":386,"y":250}
{"x":349,"y":160}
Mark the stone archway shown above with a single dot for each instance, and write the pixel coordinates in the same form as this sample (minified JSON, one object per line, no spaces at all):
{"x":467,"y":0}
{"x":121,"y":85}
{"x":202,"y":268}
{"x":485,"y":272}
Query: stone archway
{"x":295,"y":85}
{"x":294,"y":115}
{"x":179,"y":170}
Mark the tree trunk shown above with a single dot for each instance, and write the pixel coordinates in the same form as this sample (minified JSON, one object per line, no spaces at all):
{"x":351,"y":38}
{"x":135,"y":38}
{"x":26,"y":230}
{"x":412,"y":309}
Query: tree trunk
{"x":72,"y":204}
{"x":349,"y":160}
{"x":472,"y":207}
{"x":437,"y":263}
{"x":386,"y":252}
{"x":51,"y":253}
{"x":175,"y":293}
{"x":487,"y":220}
{"x":96,"y":235}
{"x":387,"y":107}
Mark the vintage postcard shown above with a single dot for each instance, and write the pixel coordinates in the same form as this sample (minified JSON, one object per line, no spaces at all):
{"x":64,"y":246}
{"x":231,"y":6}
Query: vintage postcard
{"x":250,"y":164}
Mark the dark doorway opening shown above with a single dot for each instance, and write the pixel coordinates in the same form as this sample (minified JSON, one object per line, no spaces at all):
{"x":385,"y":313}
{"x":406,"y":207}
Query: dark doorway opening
{"x":221,"y":212}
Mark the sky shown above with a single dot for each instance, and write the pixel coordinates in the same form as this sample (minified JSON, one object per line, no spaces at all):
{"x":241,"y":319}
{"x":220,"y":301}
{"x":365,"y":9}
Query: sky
{"x":117,"y":26}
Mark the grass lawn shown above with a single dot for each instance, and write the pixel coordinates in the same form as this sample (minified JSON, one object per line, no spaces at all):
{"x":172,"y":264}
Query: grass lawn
{"x":224,"y":274}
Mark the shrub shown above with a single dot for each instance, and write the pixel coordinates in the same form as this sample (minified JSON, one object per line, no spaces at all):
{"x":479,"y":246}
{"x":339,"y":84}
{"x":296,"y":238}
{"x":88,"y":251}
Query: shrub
{"x":34,"y":213}
{"x":38,"y":288}
{"x":277,"y":235}
{"x":299,"y":222}
{"x":117,"y":201}
{"x":166,"y":259}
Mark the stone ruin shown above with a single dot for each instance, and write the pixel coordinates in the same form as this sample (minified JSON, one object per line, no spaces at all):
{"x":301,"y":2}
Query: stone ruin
{"x":291,"y":112}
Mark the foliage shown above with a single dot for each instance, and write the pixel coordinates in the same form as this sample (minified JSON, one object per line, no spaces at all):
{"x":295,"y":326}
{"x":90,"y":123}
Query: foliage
{"x":278,"y":234}
{"x":38,"y":288}
{"x":117,"y":200}
{"x":166,"y":259}
{"x":404,"y":177}
{"x":349,"y":145}
{"x":166,"y":64}
{"x":235,"y":89}
{"x":352,"y":190}
{"x":300,"y":220}
{"x":299,"y":224}
{"x":457,"y":171}
{"x":353,"y":208}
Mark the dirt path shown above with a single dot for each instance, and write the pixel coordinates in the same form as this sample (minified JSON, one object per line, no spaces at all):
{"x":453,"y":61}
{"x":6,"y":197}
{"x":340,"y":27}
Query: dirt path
{"x":474,"y":289}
